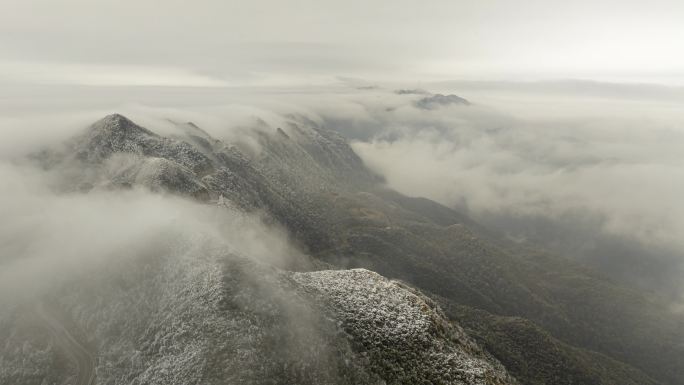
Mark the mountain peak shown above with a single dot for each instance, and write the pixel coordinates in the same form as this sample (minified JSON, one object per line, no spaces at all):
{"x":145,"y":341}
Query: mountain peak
{"x":115,"y":119}
{"x":117,"y":124}
{"x":438,"y":100}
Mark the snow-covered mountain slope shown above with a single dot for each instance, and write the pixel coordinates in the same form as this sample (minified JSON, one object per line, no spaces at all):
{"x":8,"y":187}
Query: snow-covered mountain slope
{"x":192,"y":310}
{"x":202,"y":316}
{"x":308,"y":180}
{"x":393,"y":324}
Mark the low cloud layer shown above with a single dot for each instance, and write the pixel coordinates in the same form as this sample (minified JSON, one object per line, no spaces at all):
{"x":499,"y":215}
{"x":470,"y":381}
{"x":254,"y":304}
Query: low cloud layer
{"x":49,"y":238}
{"x":614,"y":167}
{"x":576,"y":167}
{"x":594,"y":178}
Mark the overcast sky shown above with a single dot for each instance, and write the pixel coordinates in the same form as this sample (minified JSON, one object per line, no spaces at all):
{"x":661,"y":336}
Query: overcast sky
{"x":262,"y":42}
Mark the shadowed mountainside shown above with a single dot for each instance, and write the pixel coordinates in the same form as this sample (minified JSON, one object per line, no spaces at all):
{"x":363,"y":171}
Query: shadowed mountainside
{"x":515,"y":302}
{"x":192,"y":311}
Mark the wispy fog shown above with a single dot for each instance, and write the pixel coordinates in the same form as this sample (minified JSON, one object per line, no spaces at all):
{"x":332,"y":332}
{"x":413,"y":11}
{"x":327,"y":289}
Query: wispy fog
{"x":590,"y":170}
{"x":48,"y":238}
{"x":619,"y":160}
{"x":582,"y":171}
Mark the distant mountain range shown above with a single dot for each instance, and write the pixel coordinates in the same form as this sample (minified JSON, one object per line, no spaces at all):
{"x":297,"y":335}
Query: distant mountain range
{"x":391,"y":290}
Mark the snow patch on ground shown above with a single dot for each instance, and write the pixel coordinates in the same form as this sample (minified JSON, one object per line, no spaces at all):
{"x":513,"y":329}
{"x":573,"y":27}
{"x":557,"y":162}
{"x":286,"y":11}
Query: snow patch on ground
{"x":405,"y":336}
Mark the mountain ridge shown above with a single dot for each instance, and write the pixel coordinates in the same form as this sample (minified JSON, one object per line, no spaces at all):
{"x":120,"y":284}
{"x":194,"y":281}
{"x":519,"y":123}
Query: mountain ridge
{"x":310,"y":181}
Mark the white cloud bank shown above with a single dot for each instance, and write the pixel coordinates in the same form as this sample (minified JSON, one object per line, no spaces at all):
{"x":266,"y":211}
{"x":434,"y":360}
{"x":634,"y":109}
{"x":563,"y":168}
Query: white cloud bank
{"x":565,"y":164}
{"x":48,"y":239}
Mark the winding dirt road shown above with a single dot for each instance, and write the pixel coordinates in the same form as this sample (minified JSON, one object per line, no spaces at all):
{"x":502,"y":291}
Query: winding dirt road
{"x":82,"y":358}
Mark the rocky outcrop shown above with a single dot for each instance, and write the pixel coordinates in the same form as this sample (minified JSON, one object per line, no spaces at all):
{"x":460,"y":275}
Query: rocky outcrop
{"x":403,"y":334}
{"x":221,"y":319}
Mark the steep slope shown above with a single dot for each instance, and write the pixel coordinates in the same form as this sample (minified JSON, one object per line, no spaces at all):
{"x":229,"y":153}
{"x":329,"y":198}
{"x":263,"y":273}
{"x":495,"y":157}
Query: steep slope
{"x":535,"y":356}
{"x":394,"y":324}
{"x":445,"y":253}
{"x":214,"y":318}
{"x":194,"y":319}
{"x":309,"y":180}
{"x":190,"y":310}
